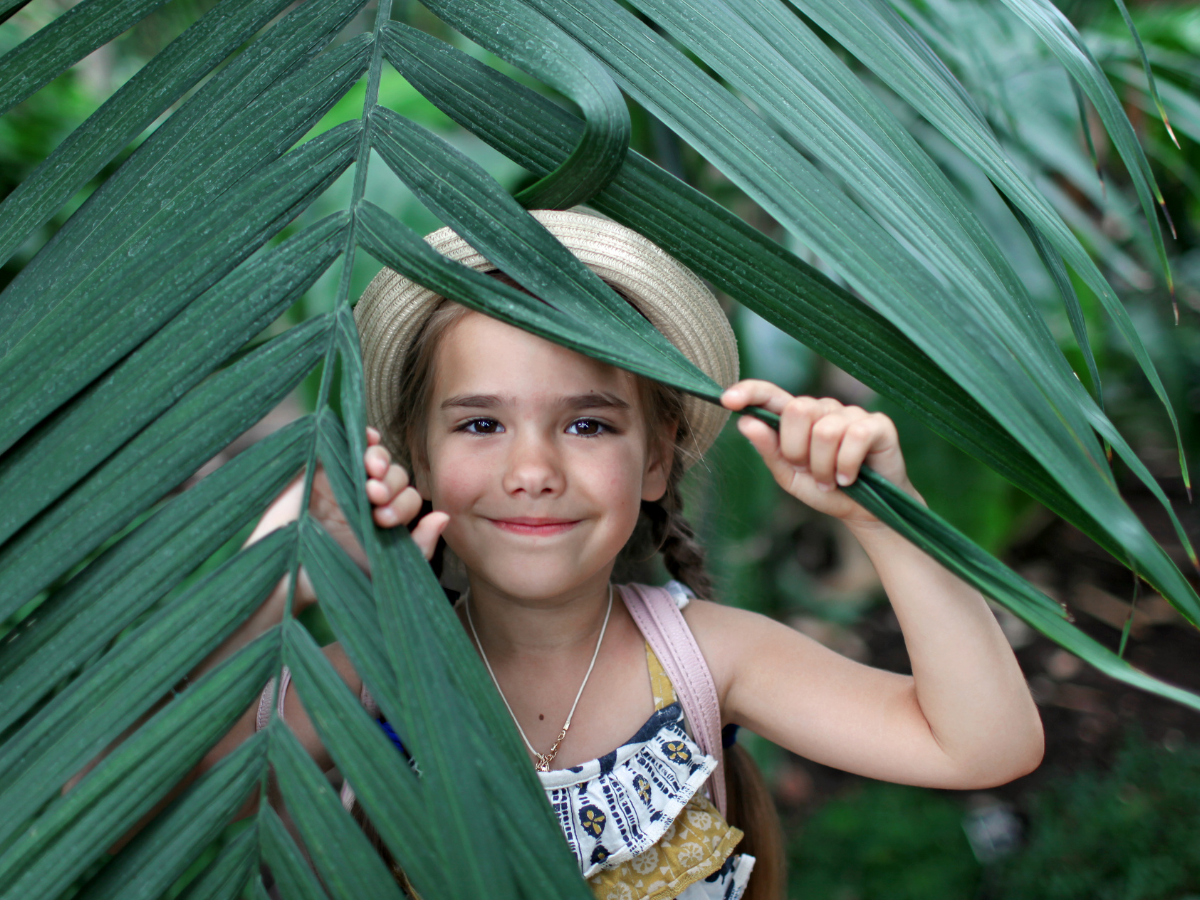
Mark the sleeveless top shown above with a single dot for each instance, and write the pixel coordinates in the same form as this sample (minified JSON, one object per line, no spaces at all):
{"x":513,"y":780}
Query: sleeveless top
{"x":636,"y":818}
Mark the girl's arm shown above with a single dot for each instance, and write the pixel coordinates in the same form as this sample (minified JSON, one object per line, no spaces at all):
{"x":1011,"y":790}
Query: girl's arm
{"x":964,"y":719}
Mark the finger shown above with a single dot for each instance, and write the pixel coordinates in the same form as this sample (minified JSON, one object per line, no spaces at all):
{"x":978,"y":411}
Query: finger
{"x":400,"y":510}
{"x":376,"y":461}
{"x":428,"y":530}
{"x":827,"y":434}
{"x":372,"y":436}
{"x":795,"y":427}
{"x":863,"y":437}
{"x":755,"y":392}
{"x":383,"y":491}
{"x":766,"y":441}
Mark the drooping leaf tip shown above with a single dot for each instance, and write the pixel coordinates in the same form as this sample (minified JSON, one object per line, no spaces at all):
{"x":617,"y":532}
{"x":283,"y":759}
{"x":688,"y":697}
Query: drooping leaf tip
{"x":1167,"y":215}
{"x":1167,"y":124}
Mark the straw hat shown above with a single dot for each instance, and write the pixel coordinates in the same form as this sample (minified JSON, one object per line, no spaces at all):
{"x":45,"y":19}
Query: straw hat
{"x":676,"y":302}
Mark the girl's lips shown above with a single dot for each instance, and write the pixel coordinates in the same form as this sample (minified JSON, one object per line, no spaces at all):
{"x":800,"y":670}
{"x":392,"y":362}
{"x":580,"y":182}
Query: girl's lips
{"x":541,"y":527}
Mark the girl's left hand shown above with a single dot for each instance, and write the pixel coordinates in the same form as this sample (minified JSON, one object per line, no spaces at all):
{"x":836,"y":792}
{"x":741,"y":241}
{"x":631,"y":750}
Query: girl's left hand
{"x":820,"y":446}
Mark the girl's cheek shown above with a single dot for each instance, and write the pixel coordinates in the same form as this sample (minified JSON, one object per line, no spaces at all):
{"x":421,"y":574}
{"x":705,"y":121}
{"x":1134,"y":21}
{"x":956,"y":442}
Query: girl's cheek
{"x":453,"y":488}
{"x":456,"y":479}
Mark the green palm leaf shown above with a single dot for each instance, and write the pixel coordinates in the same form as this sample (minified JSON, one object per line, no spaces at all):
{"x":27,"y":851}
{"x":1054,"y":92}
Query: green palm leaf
{"x":461,"y":80}
{"x":125,"y":366}
{"x":889,"y":46}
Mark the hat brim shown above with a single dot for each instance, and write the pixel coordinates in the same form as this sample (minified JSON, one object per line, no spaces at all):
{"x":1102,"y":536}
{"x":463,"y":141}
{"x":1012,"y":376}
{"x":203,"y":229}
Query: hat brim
{"x":393,"y":310}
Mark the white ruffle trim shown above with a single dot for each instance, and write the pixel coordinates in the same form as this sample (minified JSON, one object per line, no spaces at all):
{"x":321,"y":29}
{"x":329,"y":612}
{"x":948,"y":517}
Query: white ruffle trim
{"x":613,"y":808}
{"x":727,"y":883}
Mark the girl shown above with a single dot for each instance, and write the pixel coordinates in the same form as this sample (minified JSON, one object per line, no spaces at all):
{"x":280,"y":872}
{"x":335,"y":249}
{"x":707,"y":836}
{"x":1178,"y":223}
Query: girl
{"x":540,"y":465}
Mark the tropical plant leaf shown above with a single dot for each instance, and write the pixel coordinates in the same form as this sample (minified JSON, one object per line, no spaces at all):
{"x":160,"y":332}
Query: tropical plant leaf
{"x":79,"y":827}
{"x":82,"y":720}
{"x":225,"y":877}
{"x":1065,"y":42}
{"x":166,"y":366}
{"x":752,"y":269}
{"x":65,"y":41}
{"x":531,"y":42}
{"x":134,"y":106}
{"x":240,"y":119}
{"x":404,"y":251}
{"x":289,"y":868}
{"x":77,"y":621}
{"x":1053,"y":262}
{"x":129,"y":302}
{"x":960,"y":555}
{"x":164,"y":850}
{"x":723,"y":249}
{"x":1050,"y":415}
{"x":461,"y":193}
{"x":116,"y":330}
{"x":886,"y":44}
{"x":383,"y":783}
{"x":158,"y":459}
{"x":349,"y":866}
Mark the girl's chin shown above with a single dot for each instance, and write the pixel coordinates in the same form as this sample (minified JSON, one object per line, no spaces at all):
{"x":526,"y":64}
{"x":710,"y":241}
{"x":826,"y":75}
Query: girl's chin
{"x":534,"y":581}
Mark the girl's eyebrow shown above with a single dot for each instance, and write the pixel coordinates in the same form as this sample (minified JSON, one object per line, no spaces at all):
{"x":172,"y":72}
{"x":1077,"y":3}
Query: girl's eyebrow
{"x":595,"y":400}
{"x":472,"y":401}
{"x":591,"y":400}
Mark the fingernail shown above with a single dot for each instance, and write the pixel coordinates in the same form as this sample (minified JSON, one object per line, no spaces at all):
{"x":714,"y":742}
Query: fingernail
{"x":802,"y":469}
{"x":387,"y":514}
{"x":843,"y":479}
{"x":824,"y":486}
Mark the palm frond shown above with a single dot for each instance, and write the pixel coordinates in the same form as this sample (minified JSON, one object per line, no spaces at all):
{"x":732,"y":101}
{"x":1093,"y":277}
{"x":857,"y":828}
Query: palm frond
{"x":124,"y":368}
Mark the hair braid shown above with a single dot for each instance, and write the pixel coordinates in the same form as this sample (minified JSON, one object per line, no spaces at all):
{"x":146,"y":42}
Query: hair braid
{"x":675,"y":538}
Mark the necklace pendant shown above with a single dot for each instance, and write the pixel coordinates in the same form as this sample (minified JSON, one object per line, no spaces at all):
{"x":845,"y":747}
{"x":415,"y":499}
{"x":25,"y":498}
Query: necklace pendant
{"x":543,"y":762}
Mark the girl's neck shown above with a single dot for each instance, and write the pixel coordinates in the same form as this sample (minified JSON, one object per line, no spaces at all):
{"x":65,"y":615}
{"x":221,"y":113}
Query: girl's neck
{"x":513,"y":626}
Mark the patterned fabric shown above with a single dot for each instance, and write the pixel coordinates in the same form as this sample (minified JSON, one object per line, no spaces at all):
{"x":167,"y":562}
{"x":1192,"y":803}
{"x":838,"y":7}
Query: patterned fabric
{"x":635,"y":818}
{"x":614,"y":807}
{"x":693,"y":859}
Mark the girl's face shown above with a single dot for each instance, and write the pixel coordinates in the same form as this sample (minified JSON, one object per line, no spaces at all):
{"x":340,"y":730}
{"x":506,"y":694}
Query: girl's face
{"x":541,"y":457}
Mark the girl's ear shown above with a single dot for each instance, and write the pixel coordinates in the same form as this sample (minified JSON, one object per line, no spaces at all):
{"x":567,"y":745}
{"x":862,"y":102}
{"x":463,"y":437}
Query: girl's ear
{"x":659,"y":460}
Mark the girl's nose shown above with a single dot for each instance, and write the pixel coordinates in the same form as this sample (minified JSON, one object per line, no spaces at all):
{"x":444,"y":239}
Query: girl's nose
{"x":533,"y":468}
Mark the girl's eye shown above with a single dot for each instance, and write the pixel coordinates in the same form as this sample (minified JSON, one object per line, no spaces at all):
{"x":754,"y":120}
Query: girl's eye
{"x":587,"y":427}
{"x":482,"y":426}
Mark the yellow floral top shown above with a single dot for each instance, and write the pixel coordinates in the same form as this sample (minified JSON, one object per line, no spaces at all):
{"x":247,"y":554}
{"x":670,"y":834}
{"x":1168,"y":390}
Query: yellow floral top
{"x":637,"y":820}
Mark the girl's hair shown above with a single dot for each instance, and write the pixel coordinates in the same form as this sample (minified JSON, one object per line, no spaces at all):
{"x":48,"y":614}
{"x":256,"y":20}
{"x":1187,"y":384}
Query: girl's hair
{"x":661,"y":528}
{"x":751,"y":808}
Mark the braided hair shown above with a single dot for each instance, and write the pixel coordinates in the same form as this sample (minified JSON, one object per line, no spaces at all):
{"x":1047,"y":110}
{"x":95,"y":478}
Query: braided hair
{"x":661,"y":526}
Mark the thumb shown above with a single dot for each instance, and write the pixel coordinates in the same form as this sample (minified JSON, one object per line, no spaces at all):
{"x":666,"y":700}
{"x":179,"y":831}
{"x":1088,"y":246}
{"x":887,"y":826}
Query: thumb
{"x":428,"y":530}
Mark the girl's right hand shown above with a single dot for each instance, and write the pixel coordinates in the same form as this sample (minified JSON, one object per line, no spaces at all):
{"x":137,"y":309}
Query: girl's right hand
{"x":394,"y":500}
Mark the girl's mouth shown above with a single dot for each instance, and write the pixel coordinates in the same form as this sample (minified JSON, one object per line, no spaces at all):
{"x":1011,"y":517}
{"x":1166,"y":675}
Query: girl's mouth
{"x":537,"y":527}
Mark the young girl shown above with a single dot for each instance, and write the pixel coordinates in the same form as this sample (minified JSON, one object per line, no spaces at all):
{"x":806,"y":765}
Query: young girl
{"x":541,"y":464}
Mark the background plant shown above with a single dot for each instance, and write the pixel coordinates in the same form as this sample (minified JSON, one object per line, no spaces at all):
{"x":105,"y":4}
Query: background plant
{"x":133,"y":352}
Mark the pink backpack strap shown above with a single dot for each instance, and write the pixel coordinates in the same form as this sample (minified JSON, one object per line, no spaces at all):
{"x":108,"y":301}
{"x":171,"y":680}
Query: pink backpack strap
{"x":662,"y":624}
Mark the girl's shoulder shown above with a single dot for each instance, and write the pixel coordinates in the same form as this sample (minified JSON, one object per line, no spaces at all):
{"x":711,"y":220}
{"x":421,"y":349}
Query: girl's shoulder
{"x":732,"y":639}
{"x":720,"y":634}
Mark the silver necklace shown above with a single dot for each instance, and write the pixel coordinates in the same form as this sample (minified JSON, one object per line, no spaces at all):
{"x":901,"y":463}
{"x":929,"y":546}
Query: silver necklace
{"x":543,"y":760}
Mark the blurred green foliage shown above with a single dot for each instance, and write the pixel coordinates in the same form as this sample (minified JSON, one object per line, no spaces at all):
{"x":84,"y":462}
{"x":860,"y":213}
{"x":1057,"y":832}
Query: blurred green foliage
{"x":1132,"y":833}
{"x":884,"y":842}
{"x":1129,"y":833}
